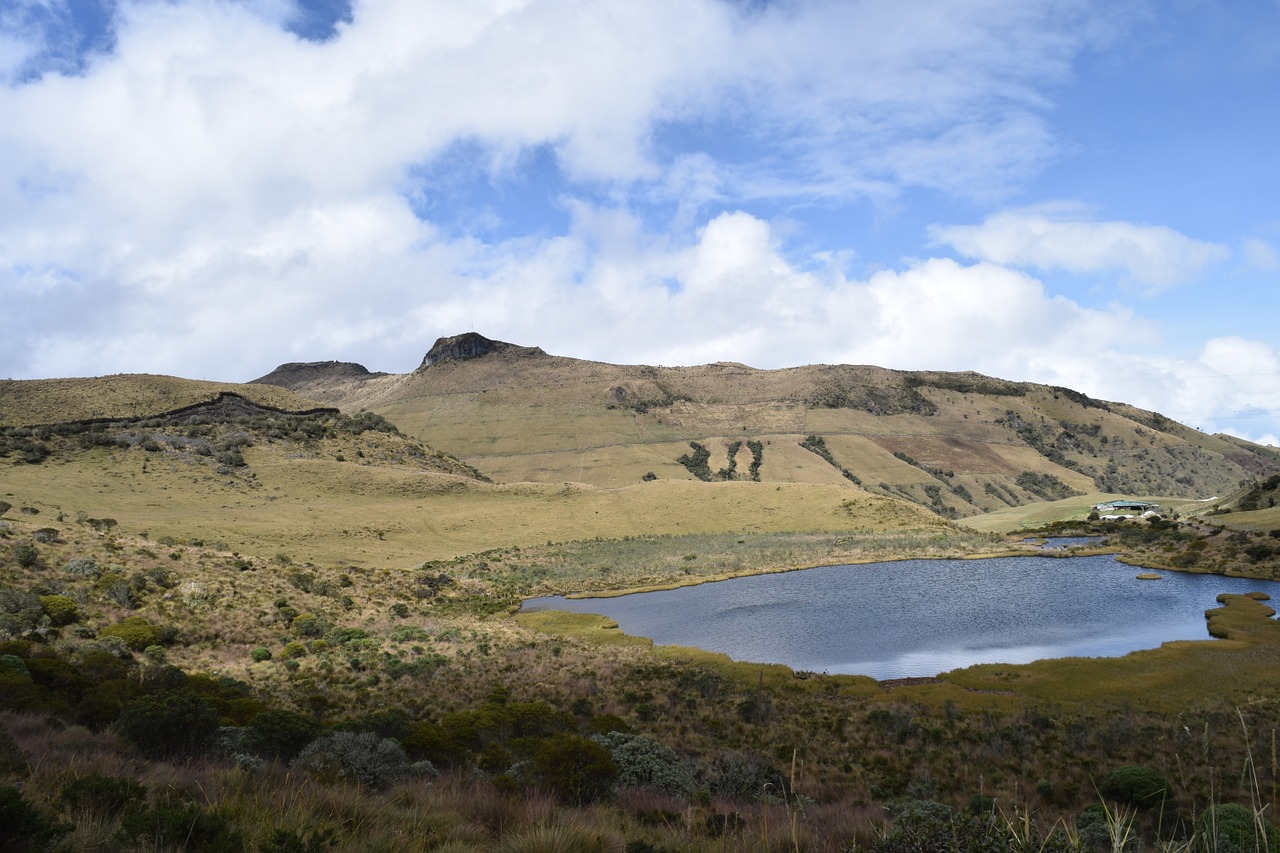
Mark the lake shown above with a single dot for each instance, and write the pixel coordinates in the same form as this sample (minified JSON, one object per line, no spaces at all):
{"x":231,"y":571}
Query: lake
{"x":922,"y":617}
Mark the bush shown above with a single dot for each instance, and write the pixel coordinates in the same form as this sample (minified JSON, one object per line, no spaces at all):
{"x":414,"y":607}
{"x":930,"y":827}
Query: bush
{"x":60,"y":609}
{"x":23,"y":829}
{"x":574,"y":768}
{"x":745,"y":776}
{"x":178,"y":722}
{"x":306,"y":625}
{"x":359,"y":757}
{"x":260,"y":654}
{"x":294,"y":649}
{"x":1139,"y":786}
{"x":1230,"y":828}
{"x":104,"y":797}
{"x":136,"y":633}
{"x":180,"y":827}
{"x":644,"y":763}
{"x":279,"y":734}
{"x":26,"y":555}
{"x":82,"y":567}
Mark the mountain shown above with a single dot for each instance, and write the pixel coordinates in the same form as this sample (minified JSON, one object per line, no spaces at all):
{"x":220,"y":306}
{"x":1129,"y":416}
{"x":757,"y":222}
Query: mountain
{"x":959,"y":444}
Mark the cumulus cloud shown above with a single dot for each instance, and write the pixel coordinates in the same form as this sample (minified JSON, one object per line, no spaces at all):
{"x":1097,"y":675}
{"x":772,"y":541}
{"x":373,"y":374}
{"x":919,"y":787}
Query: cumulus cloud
{"x":209,"y":194}
{"x":1152,"y":255}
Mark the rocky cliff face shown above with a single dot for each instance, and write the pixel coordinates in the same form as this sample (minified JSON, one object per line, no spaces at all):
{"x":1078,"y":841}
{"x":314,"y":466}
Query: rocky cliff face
{"x":470,"y":345}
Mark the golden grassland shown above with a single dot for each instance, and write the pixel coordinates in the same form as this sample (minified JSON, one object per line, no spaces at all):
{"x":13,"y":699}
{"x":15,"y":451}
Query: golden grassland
{"x":523,"y":415}
{"x":305,"y":501}
{"x":53,"y":401}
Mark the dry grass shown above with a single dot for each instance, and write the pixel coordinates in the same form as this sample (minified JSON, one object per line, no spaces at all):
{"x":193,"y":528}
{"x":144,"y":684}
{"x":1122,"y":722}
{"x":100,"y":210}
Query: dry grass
{"x":317,"y":508}
{"x":51,"y":401}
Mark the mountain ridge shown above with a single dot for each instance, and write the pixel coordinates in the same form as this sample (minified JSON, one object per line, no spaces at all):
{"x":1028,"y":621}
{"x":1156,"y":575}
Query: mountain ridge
{"x":959,"y":443}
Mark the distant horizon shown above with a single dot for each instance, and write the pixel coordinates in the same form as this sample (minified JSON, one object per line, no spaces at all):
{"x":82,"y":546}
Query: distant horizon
{"x":1079,"y":194}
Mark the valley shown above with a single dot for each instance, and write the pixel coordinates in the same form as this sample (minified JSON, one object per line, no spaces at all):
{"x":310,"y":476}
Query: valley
{"x":330,"y":555}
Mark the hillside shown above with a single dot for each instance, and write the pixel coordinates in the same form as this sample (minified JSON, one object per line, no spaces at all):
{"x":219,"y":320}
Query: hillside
{"x":959,"y":444}
{"x":350,"y":488}
{"x":54,"y":401}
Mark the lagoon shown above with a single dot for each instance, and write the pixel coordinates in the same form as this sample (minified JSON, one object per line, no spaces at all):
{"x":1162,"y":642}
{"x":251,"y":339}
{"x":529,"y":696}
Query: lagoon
{"x":918,"y":618}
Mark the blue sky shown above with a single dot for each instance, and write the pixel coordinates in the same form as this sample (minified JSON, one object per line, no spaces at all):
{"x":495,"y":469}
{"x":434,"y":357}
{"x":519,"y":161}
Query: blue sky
{"x":1074,"y":192}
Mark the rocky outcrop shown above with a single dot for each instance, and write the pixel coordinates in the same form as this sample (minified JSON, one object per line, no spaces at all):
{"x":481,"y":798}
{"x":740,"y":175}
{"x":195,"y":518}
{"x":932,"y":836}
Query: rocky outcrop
{"x":471,"y":345}
{"x":296,"y":374}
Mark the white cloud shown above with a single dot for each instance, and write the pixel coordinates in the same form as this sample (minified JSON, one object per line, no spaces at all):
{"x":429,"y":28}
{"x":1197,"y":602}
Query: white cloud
{"x":216,"y":195}
{"x":1261,"y":255}
{"x":1152,"y":255}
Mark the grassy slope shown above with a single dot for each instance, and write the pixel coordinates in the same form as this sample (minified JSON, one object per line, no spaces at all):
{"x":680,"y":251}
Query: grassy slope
{"x":522,"y":416}
{"x":48,"y":401}
{"x":324,"y":510}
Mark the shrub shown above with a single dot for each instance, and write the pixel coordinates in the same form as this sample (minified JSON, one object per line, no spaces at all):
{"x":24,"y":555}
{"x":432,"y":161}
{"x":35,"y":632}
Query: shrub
{"x":23,"y":829}
{"x":82,"y":567}
{"x":26,"y":555}
{"x":294,"y":649}
{"x":47,"y":535}
{"x":360,"y":757}
{"x":287,"y":841}
{"x":260,"y":654}
{"x":136,"y":632}
{"x":574,"y":768}
{"x":60,"y":609}
{"x":101,"y":796}
{"x":20,"y":612}
{"x":1140,"y":786}
{"x":644,"y":763}
{"x":747,"y":776}
{"x":279,"y":734}
{"x":178,"y":722}
{"x":307,"y":625}
{"x":1231,"y":827}
{"x":190,"y":828}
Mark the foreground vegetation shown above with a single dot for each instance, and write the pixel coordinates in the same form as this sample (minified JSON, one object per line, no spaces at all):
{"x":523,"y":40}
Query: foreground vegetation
{"x":166,"y":694}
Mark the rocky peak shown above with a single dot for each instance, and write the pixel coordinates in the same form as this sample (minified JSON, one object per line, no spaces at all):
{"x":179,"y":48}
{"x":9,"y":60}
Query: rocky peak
{"x":470,"y":345}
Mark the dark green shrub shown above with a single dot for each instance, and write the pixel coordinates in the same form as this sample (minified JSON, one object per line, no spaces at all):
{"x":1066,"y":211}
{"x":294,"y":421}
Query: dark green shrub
{"x":178,"y":722}
{"x":101,"y":796}
{"x":1139,"y":786}
{"x":574,"y":768}
{"x":279,"y":734}
{"x":392,"y":723}
{"x":1231,"y":828}
{"x":46,"y":535}
{"x":180,"y":827}
{"x":26,"y":555}
{"x":287,"y":841}
{"x":23,"y":829}
{"x":260,"y":654}
{"x":60,"y":609}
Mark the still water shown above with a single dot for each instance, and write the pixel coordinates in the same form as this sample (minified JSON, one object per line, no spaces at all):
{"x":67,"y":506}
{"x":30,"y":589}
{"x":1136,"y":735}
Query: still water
{"x":923,"y":617}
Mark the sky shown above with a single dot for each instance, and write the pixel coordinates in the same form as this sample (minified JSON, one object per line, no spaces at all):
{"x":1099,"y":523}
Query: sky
{"x":1072,"y":192}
